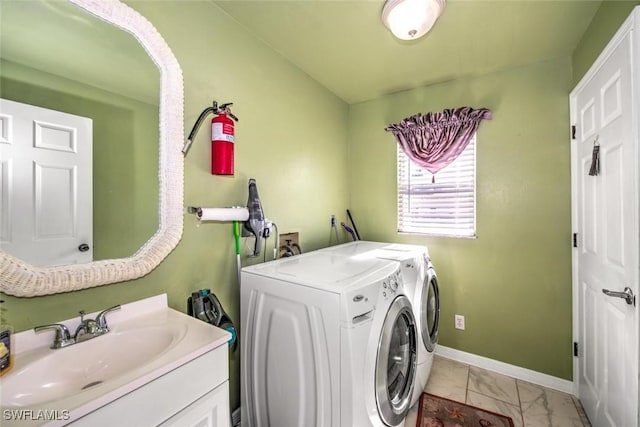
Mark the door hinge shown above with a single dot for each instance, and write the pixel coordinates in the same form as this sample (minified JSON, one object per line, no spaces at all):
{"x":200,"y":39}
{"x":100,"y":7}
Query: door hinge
{"x":573,"y":131}
{"x":575,"y":240}
{"x":575,"y":349}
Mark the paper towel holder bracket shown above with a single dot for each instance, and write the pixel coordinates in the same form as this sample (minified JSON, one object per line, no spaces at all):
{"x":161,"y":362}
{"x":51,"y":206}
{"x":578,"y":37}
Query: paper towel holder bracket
{"x":194,"y":210}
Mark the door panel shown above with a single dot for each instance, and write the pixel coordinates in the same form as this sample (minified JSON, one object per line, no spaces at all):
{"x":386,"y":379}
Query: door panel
{"x":611,"y":99}
{"x":55,"y":201}
{"x":589,"y":213}
{"x":614,"y":403}
{"x":614,"y":206}
{"x":5,"y":199}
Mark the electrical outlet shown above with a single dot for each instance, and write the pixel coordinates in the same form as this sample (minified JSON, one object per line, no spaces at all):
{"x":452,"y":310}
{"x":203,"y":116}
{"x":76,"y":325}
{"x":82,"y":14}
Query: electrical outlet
{"x":459,"y":321}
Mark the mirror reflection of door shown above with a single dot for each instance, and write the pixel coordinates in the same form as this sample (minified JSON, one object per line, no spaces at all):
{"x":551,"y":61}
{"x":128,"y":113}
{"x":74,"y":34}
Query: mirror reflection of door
{"x":46,"y":185}
{"x":57,"y":56}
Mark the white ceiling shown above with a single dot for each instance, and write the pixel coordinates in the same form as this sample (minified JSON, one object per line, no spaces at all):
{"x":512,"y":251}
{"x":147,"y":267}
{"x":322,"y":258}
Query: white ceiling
{"x":344,"y":45}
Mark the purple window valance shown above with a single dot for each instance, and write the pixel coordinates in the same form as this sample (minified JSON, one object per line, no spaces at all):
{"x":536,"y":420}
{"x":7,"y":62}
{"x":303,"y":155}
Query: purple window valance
{"x":434,"y":140}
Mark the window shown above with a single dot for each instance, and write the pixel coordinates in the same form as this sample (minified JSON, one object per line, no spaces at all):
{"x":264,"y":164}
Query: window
{"x":446,"y":207}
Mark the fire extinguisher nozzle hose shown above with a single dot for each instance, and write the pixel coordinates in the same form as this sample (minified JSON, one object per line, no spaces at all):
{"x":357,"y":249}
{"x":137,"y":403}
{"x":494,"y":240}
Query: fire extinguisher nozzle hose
{"x":186,"y":147}
{"x":196,"y":126}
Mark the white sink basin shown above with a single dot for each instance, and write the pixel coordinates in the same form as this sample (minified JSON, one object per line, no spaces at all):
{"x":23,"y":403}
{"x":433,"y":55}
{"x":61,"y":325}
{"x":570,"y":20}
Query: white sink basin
{"x":147,"y":340}
{"x":64,"y":372}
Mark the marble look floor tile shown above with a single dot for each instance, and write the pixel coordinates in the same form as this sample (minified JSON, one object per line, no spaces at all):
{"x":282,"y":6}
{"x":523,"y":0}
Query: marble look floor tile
{"x":412,"y":416}
{"x":543,"y":407}
{"x":581,"y":412}
{"x":494,"y":385}
{"x":495,"y":405}
{"x":448,"y":379}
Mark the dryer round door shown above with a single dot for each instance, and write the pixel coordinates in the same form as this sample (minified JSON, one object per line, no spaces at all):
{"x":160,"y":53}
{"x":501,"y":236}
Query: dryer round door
{"x":396,"y":362}
{"x":430,"y":310}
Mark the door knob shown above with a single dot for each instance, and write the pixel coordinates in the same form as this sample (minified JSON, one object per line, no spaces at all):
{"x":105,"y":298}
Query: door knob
{"x":83,"y":247}
{"x":626,"y":295}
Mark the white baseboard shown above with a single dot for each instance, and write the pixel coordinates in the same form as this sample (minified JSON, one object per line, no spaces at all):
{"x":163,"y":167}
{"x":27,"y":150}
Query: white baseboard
{"x":524,"y":374}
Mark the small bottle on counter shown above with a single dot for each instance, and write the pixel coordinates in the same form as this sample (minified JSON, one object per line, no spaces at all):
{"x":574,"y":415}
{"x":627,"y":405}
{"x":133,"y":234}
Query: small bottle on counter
{"x":6,"y":355}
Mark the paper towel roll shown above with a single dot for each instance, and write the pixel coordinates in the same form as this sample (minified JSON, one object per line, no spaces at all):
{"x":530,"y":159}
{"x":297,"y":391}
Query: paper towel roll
{"x":223,"y":214}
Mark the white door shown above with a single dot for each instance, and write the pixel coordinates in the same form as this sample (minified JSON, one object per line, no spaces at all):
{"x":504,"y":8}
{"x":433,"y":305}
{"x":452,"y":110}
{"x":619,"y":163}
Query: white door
{"x":45,"y":185}
{"x":605,"y":216}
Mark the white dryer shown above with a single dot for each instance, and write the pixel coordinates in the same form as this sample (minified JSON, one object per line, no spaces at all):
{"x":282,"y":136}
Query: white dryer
{"x":326,"y":341}
{"x":421,"y":284}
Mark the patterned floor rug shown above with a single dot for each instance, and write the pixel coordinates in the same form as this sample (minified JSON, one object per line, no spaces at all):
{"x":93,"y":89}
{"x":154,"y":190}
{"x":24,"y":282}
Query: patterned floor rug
{"x":435,"y":411}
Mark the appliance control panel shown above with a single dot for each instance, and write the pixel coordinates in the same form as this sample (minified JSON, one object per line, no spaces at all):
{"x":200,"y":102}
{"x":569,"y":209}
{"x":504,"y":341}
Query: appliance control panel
{"x":360,"y":304}
{"x":392,"y":285}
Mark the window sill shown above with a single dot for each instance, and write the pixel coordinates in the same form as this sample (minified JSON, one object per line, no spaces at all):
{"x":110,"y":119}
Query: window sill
{"x":454,"y":236}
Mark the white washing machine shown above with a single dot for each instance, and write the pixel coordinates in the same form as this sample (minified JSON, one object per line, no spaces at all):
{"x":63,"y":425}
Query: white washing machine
{"x":421,"y":284}
{"x":326,"y":340}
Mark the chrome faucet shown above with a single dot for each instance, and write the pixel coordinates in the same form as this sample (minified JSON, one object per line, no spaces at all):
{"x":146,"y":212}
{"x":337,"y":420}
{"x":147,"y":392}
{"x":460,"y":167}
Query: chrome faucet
{"x":101,"y":318}
{"x":62,"y":337}
{"x":91,"y":328}
{"x":87,"y":329}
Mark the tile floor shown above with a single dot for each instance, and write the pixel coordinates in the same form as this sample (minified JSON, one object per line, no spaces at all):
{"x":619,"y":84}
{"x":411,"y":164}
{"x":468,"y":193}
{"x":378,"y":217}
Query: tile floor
{"x":529,"y":405}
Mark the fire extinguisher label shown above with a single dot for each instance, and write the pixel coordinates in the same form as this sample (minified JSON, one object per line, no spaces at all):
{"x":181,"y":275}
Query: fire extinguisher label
{"x":222,"y":132}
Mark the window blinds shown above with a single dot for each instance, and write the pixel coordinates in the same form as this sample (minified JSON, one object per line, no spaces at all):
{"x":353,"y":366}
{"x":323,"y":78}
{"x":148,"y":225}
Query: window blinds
{"x":446,"y":207}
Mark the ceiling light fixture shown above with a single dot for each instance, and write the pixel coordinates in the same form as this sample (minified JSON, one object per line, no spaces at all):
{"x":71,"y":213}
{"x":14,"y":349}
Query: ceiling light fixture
{"x":411,"y":19}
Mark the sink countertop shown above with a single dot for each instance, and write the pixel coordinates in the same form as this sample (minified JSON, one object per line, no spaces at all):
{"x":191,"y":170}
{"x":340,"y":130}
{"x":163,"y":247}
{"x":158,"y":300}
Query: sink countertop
{"x":195,"y":338}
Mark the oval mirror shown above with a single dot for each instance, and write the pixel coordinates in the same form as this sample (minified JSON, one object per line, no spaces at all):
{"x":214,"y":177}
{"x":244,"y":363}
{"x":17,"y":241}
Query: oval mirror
{"x":134,"y":220}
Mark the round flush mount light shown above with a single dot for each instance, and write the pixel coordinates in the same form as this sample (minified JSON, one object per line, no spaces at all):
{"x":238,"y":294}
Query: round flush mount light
{"x":411,"y":19}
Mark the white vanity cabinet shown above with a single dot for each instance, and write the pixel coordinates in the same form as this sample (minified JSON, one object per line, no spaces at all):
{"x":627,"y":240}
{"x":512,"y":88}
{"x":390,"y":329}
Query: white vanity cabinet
{"x":156,"y":366}
{"x":196,"y":393}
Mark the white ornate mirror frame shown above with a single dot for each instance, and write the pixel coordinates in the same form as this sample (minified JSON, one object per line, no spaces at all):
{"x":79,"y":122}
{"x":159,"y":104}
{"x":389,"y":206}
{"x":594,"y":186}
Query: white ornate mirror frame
{"x":21,"y":279}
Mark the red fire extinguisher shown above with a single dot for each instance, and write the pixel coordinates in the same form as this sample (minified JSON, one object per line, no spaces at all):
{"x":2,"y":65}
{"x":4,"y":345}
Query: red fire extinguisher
{"x":222,"y":137}
{"x":222,"y":140}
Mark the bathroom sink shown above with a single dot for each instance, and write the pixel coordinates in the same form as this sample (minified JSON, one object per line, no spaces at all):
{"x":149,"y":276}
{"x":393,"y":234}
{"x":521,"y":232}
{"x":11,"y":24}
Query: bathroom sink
{"x":147,"y":340}
{"x":64,"y":372}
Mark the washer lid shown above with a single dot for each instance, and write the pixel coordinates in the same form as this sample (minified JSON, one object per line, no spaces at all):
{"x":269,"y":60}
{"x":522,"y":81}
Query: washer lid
{"x":406,"y":248}
{"x":326,"y":270}
{"x":353,"y":248}
{"x":377,"y":249}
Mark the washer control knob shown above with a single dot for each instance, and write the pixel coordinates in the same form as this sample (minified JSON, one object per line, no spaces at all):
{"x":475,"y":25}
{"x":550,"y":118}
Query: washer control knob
{"x":384,"y":285}
{"x":384,"y":294}
{"x":393,"y":285}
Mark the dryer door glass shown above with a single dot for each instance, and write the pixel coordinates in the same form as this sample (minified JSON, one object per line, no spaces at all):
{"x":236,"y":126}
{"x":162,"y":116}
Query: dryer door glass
{"x":396,"y":362}
{"x":430,"y":310}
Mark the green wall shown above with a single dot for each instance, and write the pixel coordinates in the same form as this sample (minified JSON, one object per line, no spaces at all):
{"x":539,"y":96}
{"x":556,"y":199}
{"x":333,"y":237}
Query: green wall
{"x":512,"y":283}
{"x":291,"y":138}
{"x":604,"y":25}
{"x":125,"y":153}
{"x":313,"y":156}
